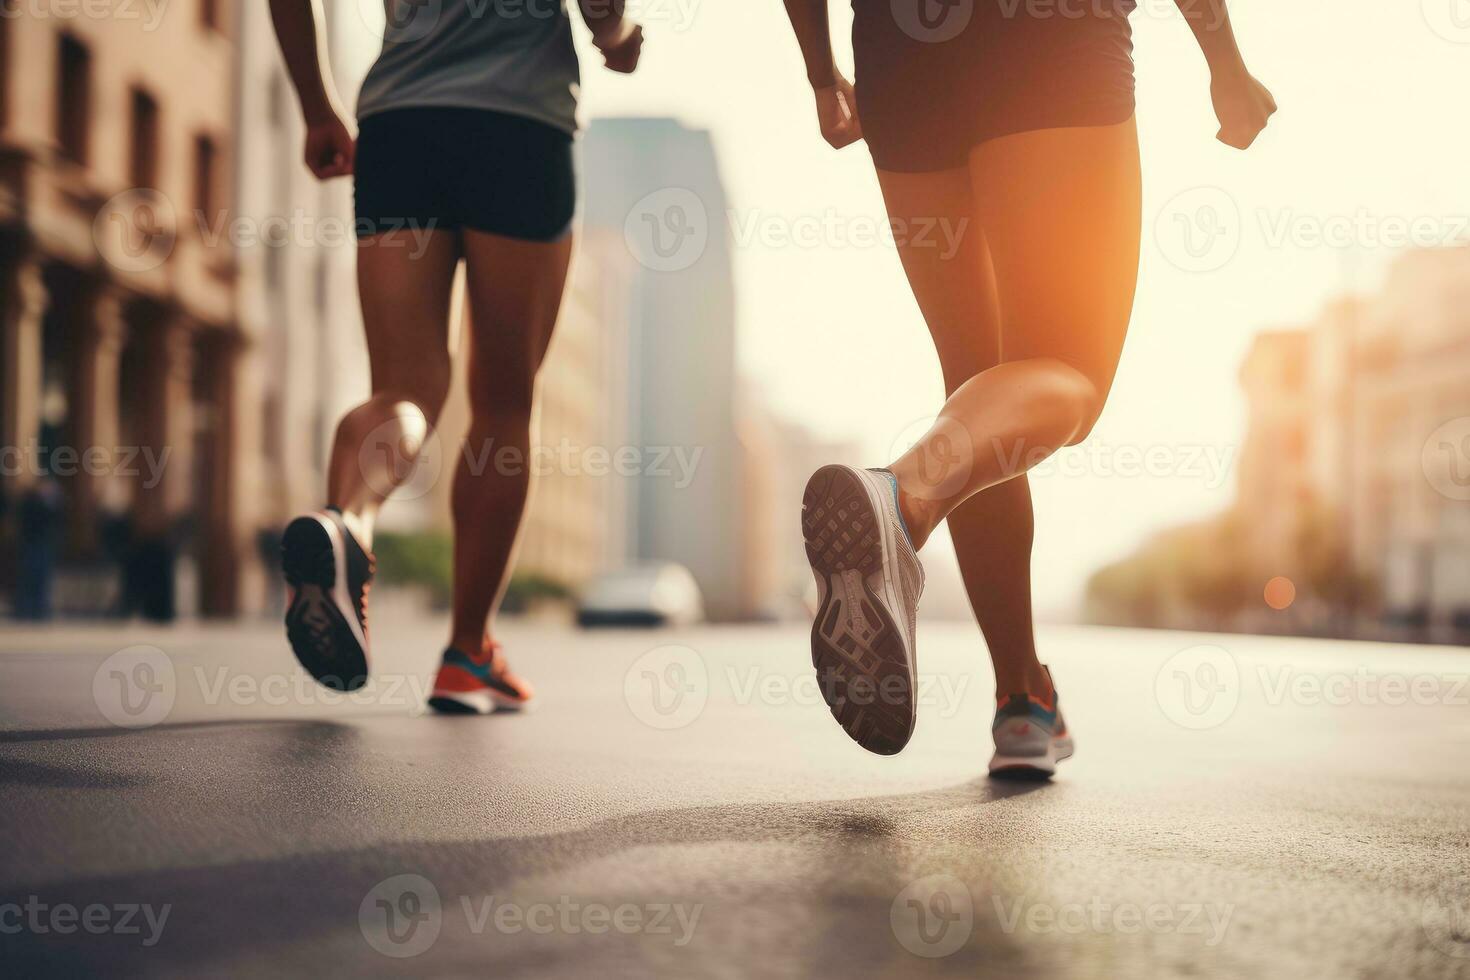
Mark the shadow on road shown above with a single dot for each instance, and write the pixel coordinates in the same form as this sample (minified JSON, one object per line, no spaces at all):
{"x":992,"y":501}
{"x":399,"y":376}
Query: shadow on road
{"x":300,"y":905}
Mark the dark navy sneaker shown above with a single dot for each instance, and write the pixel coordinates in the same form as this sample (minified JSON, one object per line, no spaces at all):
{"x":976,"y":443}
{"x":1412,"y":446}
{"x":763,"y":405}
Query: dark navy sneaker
{"x":328,"y":575}
{"x":1030,"y":737}
{"x":480,"y":684}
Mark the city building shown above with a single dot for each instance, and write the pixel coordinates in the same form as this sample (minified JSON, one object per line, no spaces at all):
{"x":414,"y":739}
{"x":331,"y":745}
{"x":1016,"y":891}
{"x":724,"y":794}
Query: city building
{"x":1354,"y":478}
{"x":121,"y":337}
{"x":656,"y":184}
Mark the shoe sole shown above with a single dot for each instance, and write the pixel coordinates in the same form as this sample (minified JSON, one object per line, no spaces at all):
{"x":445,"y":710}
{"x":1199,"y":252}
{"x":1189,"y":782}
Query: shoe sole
{"x":1032,"y":766}
{"x":474,"y":703}
{"x":864,"y":667}
{"x":314,"y":560}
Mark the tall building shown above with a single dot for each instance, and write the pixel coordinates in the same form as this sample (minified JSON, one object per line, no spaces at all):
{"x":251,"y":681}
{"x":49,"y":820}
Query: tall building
{"x":656,"y":184}
{"x":121,"y":340}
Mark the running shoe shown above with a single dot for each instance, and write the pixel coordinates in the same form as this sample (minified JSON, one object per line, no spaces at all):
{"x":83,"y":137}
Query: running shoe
{"x":868,"y":585}
{"x":328,"y":575}
{"x":1030,"y":737}
{"x":478,"y":684}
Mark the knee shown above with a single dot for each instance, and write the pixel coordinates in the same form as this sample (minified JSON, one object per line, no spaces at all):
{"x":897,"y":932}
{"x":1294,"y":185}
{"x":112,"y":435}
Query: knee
{"x":1084,"y":398}
{"x":500,"y":398}
{"x":419,"y":383}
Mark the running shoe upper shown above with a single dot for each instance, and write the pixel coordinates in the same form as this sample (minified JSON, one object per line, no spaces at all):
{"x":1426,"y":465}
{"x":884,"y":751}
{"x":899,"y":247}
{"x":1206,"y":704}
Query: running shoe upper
{"x":361,"y":567}
{"x":907,"y":567}
{"x":464,"y":673}
{"x":1025,"y":726}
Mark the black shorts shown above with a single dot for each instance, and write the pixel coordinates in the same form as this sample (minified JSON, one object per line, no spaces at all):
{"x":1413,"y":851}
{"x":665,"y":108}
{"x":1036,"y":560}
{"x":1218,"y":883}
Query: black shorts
{"x":452,"y":168}
{"x":935,"y":78}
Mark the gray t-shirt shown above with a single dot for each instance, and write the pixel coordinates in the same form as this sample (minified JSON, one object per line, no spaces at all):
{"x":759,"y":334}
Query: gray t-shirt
{"x":512,"y":56}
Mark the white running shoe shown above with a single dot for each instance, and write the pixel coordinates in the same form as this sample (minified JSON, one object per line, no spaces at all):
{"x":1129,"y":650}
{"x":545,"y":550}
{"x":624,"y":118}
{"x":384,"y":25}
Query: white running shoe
{"x":868,"y":585}
{"x":1030,"y":737}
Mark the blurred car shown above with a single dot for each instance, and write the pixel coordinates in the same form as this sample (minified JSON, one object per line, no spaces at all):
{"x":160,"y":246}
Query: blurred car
{"x":663,"y":594}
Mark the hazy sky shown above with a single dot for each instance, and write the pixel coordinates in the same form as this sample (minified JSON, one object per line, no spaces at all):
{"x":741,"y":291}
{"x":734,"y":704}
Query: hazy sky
{"x":1371,"y":135}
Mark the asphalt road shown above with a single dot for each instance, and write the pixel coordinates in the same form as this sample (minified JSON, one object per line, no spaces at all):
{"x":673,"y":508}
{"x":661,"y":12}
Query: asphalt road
{"x":180,"y":803}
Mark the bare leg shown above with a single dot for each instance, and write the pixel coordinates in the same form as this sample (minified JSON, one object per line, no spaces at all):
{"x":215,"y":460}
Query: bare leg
{"x":992,"y":530}
{"x":404,"y":288}
{"x":1060,"y":211}
{"x":515,"y":290}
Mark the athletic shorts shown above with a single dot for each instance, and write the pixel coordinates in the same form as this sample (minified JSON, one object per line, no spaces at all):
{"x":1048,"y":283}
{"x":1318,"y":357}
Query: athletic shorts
{"x":935,"y":78}
{"x":452,"y":168}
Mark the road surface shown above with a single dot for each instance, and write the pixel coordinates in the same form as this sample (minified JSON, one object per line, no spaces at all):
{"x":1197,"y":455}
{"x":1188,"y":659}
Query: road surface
{"x":181,"y":803}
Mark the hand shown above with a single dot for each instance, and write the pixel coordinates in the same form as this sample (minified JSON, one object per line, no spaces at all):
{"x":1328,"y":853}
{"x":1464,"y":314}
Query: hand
{"x":621,"y":48}
{"x":837,"y":113}
{"x":330,"y":148}
{"x":1242,"y":105}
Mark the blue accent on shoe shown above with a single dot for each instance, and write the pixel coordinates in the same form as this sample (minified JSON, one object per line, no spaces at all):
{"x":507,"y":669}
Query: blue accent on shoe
{"x":898,"y":509}
{"x":462,"y":660}
{"x":1017,"y":705}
